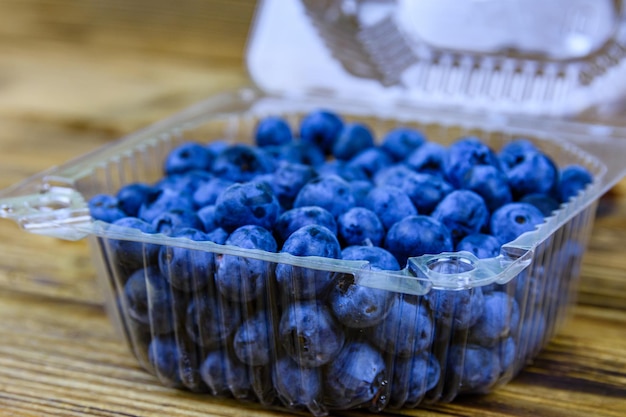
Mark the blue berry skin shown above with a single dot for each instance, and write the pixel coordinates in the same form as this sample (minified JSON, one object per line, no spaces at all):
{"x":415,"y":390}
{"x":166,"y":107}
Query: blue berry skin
{"x":244,"y":279}
{"x":162,"y":200}
{"x":294,"y":219}
{"x":406,"y":331}
{"x":206,"y":216}
{"x":272,"y":131}
{"x":150,"y":302}
{"x":206,"y":194}
{"x":477,"y":367}
{"x":309,"y":334}
{"x":465,"y":154}
{"x":535,"y":174}
{"x":300,"y":152}
{"x":459,"y":309}
{"x":507,"y":351}
{"x":130,"y":197}
{"x":164,"y":356}
{"x":416,"y":236}
{"x":321,"y":128}
{"x":490,"y":183}
{"x":172,"y":220}
{"x":187,"y":269}
{"x":360,"y":190}
{"x":412,"y":378}
{"x":390,"y":204}
{"x":546,"y":204}
{"x":573,"y":179}
{"x":297,"y":386}
{"x":360,"y":226}
{"x":513,"y":153}
{"x":353,"y":139}
{"x":217,"y":146}
{"x":513,"y":219}
{"x":105,"y":208}
{"x":371,"y":160}
{"x":251,"y":203}
{"x":401,"y":142}
{"x":356,"y":377}
{"x":241,"y":163}
{"x":187,"y":157}
{"x":428,"y":159}
{"x":288,"y":180}
{"x":251,"y":342}
{"x":132,"y":255}
{"x":302,"y":283}
{"x":207,"y":324}
{"x":183,"y":184}
{"x":481,"y":245}
{"x":328,"y":192}
{"x":136,"y":293}
{"x":343,"y":170}
{"x":225,"y":375}
{"x":357,"y":306}
{"x":218,"y":236}
{"x":463,"y":213}
{"x":500,"y":318}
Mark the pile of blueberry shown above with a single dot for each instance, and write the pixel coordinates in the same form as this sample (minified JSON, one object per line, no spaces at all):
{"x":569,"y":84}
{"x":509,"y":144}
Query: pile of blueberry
{"x":308,"y":336}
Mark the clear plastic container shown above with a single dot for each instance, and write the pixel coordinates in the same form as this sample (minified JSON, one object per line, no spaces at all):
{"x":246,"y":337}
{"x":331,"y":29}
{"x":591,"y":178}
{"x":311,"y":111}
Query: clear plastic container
{"x":192,"y":338}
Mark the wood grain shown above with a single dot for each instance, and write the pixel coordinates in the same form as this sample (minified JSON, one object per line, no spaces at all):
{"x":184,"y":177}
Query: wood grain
{"x":75,"y":75}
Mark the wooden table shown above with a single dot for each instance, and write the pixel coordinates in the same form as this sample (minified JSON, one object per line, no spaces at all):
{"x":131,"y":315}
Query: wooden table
{"x":75,"y":75}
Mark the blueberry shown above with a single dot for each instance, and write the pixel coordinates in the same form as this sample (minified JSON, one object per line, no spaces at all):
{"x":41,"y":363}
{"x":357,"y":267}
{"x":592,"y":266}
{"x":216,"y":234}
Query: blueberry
{"x":513,"y":219}
{"x":490,"y":183}
{"x":309,"y":334}
{"x":328,"y":192}
{"x":321,"y":128}
{"x":482,"y":245}
{"x":402,"y":141}
{"x":513,"y":153}
{"x":463,"y":213}
{"x":573,"y":179}
{"x":500,"y":318}
{"x":428,"y":159}
{"x":218,"y":236}
{"x":206,"y":216}
{"x":288,"y":180}
{"x":244,"y":279}
{"x":240,"y":163}
{"x":413,"y":377}
{"x":297,"y":282}
{"x":390,"y":204}
{"x":476,"y":367}
{"x":459,"y":309}
{"x":187,"y":269}
{"x":165,"y":357}
{"x":360,"y":190}
{"x":130,"y":197}
{"x":210,"y":323}
{"x":136,"y":293}
{"x":162,"y":200}
{"x":546,"y":204}
{"x":536,"y":173}
{"x":463,"y":155}
{"x":184,"y":184}
{"x":225,"y":375}
{"x":150,"y":300}
{"x":353,"y":139}
{"x":132,"y":255}
{"x":105,"y":208}
{"x":296,"y":386}
{"x":342,"y":169}
{"x":507,"y":350}
{"x":272,"y":131}
{"x":252,"y":341}
{"x":406,"y":331}
{"x":300,"y":152}
{"x":206,"y":194}
{"x":416,"y":236}
{"x":247,"y":204}
{"x":293,"y":219}
{"x":378,"y":258}
{"x":169,"y":221}
{"x":360,"y":226}
{"x":356,"y":377}
{"x":370,"y":161}
{"x":188,"y":157}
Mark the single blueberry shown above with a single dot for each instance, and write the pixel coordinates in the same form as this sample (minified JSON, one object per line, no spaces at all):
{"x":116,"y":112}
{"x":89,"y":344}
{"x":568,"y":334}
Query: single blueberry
{"x":299,"y":282}
{"x":406,"y":331}
{"x":171,"y":220}
{"x":465,"y":154}
{"x":328,"y":192}
{"x":300,"y":152}
{"x":513,"y":219}
{"x":217,"y":146}
{"x":360,"y":226}
{"x":402,"y":141}
{"x":272,"y":130}
{"x":136,"y":293}
{"x":162,"y":200}
{"x":188,"y":157}
{"x":356,"y":377}
{"x":151,"y":301}
{"x":413,"y":377}
{"x":252,"y":341}
{"x":130,"y":197}
{"x":297,"y":386}
{"x":183,"y":184}
{"x":463,"y":212}
{"x":210,"y":323}
{"x":131,"y":254}
{"x":225,"y":375}
{"x":241,"y":162}
{"x":513,"y":153}
{"x":457,"y":309}
{"x":206,"y":194}
{"x":428,"y":159}
{"x":507,"y":350}
{"x":218,"y":236}
{"x":293,"y":219}
{"x":309,"y":334}
{"x":573,"y":179}
{"x":165,"y":357}
{"x":378,"y":258}
{"x":321,"y":128}
{"x":546,"y":204}
{"x":482,"y":245}
{"x":244,"y":279}
{"x":206,"y":216}
{"x":390,"y":204}
{"x":476,"y":367}
{"x":288,"y":180}
{"x":490,"y":183}
{"x":499,"y":319}
{"x":360,"y":189}
{"x":244,"y":204}
{"x":416,"y":236}
{"x":370,"y":161}
{"x":105,"y":208}
{"x":342,"y":169}
{"x":535,"y":174}
{"x":353,"y":139}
